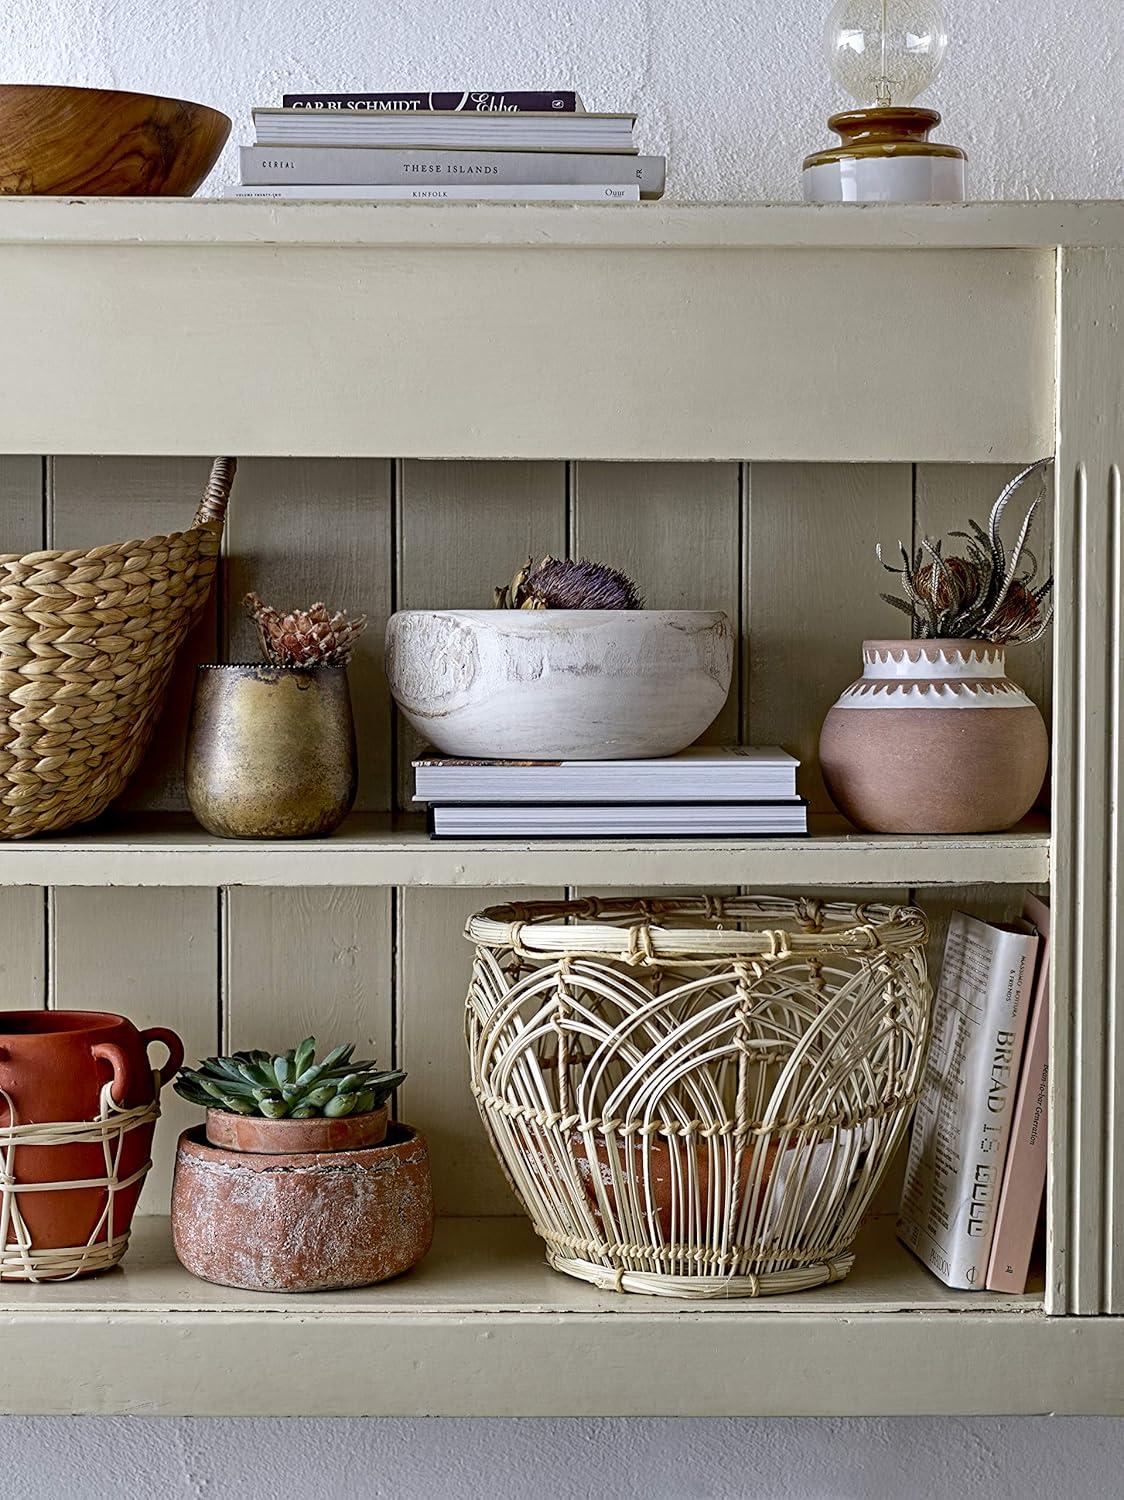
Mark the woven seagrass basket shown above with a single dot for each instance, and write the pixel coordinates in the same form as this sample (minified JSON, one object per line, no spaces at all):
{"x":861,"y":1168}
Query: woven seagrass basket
{"x":88,"y":640}
{"x":697,"y":1097}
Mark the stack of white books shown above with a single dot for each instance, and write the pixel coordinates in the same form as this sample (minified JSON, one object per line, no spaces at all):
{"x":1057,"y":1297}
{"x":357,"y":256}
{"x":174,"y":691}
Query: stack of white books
{"x":477,"y":144}
{"x":704,"y":792}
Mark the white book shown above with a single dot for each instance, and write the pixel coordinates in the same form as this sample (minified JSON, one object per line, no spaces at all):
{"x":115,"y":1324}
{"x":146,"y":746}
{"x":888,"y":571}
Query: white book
{"x":527,"y":129}
{"x":963,"y":1119}
{"x":518,"y":192}
{"x":704,"y":773}
{"x":642,"y":820}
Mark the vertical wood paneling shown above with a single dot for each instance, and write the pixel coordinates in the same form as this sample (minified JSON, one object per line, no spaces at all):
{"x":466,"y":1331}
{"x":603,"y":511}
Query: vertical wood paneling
{"x":434,"y":965}
{"x":301,"y":530}
{"x":812,"y":594}
{"x":946,"y":495}
{"x":149,"y":955}
{"x":22,"y":959}
{"x":310,"y":962}
{"x":316,"y":962}
{"x":92,"y":501}
{"x":675,"y":529}
{"x":463,"y":528}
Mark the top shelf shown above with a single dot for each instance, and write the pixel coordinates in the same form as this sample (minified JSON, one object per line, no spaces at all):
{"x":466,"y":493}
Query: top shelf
{"x":662,"y":225}
{"x":653,"y":332}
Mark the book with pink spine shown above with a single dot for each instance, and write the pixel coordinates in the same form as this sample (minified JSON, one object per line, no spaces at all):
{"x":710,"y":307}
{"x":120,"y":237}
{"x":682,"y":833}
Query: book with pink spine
{"x":1024,"y":1173}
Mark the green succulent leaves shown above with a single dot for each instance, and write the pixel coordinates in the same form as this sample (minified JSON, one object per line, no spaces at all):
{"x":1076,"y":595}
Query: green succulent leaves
{"x":290,"y":1085}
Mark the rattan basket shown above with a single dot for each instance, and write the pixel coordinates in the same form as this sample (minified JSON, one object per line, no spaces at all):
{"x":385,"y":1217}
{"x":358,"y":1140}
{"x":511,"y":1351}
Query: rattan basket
{"x":697,"y":1097}
{"x":88,"y":640}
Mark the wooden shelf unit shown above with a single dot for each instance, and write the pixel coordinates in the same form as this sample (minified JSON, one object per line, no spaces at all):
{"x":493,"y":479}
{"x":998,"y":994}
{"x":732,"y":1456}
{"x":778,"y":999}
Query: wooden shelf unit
{"x":421,"y":394}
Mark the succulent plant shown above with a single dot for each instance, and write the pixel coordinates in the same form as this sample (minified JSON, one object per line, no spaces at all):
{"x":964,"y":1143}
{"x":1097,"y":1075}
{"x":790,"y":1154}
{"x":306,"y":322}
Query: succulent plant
{"x":306,"y":637}
{"x":289,"y":1084}
{"x":561,"y":583}
{"x":985,"y":593}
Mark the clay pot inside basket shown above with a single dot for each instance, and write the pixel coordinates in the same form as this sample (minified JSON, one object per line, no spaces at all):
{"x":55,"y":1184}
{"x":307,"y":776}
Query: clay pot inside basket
{"x":303,"y":1222}
{"x":53,"y":1065}
{"x":666,"y":1183}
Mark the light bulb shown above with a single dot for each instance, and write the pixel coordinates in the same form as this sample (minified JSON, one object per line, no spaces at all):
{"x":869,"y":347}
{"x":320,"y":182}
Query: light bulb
{"x":885,"y":52}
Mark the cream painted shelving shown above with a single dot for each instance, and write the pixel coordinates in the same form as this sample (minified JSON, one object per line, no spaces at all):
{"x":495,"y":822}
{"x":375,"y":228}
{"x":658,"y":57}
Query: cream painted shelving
{"x":732,"y":400}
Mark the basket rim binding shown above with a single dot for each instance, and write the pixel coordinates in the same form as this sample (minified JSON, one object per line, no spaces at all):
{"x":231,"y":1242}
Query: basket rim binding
{"x":631,"y":929}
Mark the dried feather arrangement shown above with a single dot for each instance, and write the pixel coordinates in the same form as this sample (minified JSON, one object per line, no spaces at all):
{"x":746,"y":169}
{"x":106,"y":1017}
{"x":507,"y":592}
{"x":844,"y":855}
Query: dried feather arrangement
{"x":560,"y":583}
{"x":985,"y":593}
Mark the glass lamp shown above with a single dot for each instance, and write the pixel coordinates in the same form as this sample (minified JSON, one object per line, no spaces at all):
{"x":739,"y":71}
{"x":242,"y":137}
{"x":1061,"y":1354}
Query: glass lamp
{"x":884,"y":53}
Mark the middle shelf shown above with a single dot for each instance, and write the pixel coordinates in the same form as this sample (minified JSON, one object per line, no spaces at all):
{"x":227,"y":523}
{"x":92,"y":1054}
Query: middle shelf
{"x":384,"y":849}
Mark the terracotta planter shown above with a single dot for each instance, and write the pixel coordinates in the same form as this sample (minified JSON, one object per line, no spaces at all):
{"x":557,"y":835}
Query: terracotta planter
{"x":233,"y":1132}
{"x":53,"y":1065}
{"x":307,"y":1222}
{"x":270,"y":751}
{"x":934,"y":738}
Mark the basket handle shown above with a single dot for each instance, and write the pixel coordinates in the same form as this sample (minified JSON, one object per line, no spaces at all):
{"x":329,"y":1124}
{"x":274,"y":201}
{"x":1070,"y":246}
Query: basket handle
{"x":212,"y":507}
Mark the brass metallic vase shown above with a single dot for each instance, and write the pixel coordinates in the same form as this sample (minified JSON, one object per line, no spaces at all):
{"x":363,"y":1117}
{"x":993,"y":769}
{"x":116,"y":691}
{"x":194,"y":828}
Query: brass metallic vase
{"x":270,"y":750}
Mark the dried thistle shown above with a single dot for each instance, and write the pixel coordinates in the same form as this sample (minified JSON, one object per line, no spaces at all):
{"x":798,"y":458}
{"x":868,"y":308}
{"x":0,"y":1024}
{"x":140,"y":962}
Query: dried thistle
{"x":560,"y":583}
{"x":984,"y":594}
{"x":305,"y":638}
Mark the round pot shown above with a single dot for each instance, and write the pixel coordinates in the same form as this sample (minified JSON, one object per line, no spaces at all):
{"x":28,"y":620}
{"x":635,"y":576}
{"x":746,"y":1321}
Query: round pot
{"x":304,"y":1222}
{"x":576,"y":684}
{"x":270,"y":750}
{"x":53,"y":1066}
{"x":233,"y":1132}
{"x":934,"y":738}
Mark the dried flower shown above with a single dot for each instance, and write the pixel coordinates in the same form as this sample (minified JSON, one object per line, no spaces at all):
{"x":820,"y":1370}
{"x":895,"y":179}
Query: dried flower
{"x":307,"y":637}
{"x":560,"y":583}
{"x":985,"y":594}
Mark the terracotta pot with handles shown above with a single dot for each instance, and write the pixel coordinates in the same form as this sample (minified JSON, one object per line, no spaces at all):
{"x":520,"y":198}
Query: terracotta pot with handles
{"x":53,"y":1066}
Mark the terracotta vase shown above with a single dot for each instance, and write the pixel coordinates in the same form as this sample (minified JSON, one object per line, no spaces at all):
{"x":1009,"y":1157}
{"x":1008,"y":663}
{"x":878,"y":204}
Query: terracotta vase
{"x":934,"y":738}
{"x":270,"y":751}
{"x":233,"y":1132}
{"x":53,"y":1065}
{"x":305,"y":1222}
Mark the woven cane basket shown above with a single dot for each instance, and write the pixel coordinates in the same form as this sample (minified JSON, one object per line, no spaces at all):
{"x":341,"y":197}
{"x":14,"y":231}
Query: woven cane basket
{"x":697,"y":1097}
{"x":88,"y":640}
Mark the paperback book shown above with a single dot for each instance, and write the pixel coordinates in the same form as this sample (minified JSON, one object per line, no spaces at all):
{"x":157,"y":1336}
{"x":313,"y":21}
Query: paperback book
{"x":1024,"y":1172}
{"x":963,"y":1120}
{"x":276,"y":166}
{"x":704,"y":773}
{"x":518,"y":192}
{"x":554,"y":131}
{"x":468,"y":101}
{"x":620,"y":820}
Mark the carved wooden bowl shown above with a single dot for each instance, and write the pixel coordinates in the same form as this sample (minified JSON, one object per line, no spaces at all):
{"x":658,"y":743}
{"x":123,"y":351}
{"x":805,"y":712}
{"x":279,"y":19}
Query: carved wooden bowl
{"x":59,"y":141}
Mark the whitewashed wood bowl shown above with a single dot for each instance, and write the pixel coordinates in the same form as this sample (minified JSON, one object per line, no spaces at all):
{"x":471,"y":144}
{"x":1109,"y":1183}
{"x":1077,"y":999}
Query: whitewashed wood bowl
{"x":559,"y":684}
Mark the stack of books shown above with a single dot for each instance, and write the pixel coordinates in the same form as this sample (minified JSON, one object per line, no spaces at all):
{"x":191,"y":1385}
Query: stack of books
{"x":475,"y":145}
{"x":705,"y":792}
{"x":976,"y":1173}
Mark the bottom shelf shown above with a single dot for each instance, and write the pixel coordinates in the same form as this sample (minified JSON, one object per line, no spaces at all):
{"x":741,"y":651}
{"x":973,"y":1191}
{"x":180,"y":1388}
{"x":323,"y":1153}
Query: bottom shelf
{"x":484,"y":1328}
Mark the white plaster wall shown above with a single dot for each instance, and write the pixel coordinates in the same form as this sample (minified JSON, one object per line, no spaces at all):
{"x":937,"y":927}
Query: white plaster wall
{"x":736,"y":93}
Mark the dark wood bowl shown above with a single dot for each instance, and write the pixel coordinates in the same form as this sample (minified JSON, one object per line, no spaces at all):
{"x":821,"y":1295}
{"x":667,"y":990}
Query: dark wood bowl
{"x":60,"y":141}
